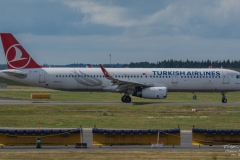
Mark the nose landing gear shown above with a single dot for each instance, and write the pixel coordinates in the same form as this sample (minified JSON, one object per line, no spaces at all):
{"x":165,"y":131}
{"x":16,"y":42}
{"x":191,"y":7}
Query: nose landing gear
{"x":224,"y":99}
{"x":126,"y":98}
{"x":194,"y":96}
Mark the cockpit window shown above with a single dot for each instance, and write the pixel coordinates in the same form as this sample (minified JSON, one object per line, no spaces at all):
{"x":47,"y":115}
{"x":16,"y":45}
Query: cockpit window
{"x":238,"y":76}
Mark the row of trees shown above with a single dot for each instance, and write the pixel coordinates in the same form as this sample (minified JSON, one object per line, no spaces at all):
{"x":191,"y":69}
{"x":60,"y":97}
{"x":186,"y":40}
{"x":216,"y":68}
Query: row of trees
{"x":159,"y":64}
{"x":185,"y":64}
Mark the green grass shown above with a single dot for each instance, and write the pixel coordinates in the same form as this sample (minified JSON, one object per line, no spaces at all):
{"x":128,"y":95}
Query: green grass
{"x":17,"y":92}
{"x":142,"y":117}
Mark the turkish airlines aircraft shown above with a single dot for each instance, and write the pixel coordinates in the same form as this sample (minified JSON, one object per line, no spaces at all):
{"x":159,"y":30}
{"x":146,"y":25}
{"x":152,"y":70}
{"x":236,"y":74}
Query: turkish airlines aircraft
{"x":152,"y":83}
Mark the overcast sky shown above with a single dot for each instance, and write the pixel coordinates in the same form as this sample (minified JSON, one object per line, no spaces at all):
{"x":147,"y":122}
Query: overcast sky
{"x":87,"y":31}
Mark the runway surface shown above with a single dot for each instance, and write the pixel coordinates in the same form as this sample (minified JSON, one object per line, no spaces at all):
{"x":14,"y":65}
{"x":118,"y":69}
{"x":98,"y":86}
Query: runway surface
{"x":4,"y":101}
{"x":186,"y":144}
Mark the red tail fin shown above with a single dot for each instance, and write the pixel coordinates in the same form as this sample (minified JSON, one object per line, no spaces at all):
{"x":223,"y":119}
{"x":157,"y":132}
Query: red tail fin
{"x":15,"y":54}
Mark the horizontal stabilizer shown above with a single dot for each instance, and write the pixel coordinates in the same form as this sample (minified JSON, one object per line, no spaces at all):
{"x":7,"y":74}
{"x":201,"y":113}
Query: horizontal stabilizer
{"x":14,"y":72}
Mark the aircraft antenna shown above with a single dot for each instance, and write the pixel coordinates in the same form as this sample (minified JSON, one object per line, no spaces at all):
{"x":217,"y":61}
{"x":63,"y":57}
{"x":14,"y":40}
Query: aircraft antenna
{"x":110,"y":56}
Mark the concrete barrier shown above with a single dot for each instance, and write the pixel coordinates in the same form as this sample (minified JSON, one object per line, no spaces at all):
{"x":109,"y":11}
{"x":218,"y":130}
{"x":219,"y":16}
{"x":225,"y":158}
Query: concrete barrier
{"x":13,"y":137}
{"x":135,"y":137}
{"x":215,"y":137}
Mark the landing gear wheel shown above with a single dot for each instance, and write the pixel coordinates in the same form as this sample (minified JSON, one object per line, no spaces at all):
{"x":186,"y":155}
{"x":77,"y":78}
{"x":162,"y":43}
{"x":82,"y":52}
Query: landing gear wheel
{"x":224,"y":100}
{"x":194,"y":97}
{"x":123,"y":98}
{"x":127,"y":99}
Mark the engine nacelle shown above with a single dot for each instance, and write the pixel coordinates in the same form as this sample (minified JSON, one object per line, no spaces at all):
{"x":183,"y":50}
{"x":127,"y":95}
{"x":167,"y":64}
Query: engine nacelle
{"x":152,"y":93}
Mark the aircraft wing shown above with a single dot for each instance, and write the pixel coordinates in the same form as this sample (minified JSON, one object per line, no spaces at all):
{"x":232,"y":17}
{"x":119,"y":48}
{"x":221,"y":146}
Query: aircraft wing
{"x":122,"y":84}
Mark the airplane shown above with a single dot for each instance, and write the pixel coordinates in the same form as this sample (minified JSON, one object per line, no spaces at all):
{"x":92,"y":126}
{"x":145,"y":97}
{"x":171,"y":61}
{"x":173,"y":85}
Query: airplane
{"x":149,"y":83}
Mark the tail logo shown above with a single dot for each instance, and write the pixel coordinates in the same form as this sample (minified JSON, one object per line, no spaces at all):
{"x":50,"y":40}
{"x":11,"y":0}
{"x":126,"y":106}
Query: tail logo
{"x":17,"y":57}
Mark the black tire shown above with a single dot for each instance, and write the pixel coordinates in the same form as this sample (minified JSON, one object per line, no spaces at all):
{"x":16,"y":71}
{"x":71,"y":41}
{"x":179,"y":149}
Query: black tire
{"x":123,"y":98}
{"x":224,"y":100}
{"x":127,"y":99}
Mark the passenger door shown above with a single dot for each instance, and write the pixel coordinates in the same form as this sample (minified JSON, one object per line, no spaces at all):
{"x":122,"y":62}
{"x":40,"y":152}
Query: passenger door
{"x":41,"y":76}
{"x":225,"y":77}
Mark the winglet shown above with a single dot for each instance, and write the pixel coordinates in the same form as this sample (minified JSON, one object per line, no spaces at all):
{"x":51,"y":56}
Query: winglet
{"x":105,"y":72}
{"x":89,"y":66}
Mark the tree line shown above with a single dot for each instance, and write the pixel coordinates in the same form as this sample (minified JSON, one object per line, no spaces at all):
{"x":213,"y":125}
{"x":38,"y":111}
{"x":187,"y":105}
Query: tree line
{"x":159,"y":64}
{"x":185,"y":64}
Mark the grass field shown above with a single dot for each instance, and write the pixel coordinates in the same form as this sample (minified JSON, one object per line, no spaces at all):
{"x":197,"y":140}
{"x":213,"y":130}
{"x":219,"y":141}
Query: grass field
{"x":142,"y":117}
{"x":116,"y":116}
{"x":153,"y":154}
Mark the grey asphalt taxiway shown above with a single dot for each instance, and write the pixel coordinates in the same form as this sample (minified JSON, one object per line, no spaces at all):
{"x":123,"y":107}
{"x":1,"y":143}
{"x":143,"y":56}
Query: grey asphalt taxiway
{"x":4,"y":101}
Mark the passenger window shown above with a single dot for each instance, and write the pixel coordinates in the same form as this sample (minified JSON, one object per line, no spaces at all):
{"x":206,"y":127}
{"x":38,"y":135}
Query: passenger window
{"x":56,"y":75}
{"x":238,"y":76}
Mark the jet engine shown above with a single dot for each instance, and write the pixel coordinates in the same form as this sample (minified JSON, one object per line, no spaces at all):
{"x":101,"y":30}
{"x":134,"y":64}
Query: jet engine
{"x":151,"y":93}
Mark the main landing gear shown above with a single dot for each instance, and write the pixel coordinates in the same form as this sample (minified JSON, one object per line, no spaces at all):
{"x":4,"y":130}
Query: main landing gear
{"x":224,"y":99}
{"x":126,"y":98}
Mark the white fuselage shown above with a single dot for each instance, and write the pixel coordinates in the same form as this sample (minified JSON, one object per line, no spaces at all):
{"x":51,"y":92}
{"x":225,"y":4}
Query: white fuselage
{"x":92,"y":79}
